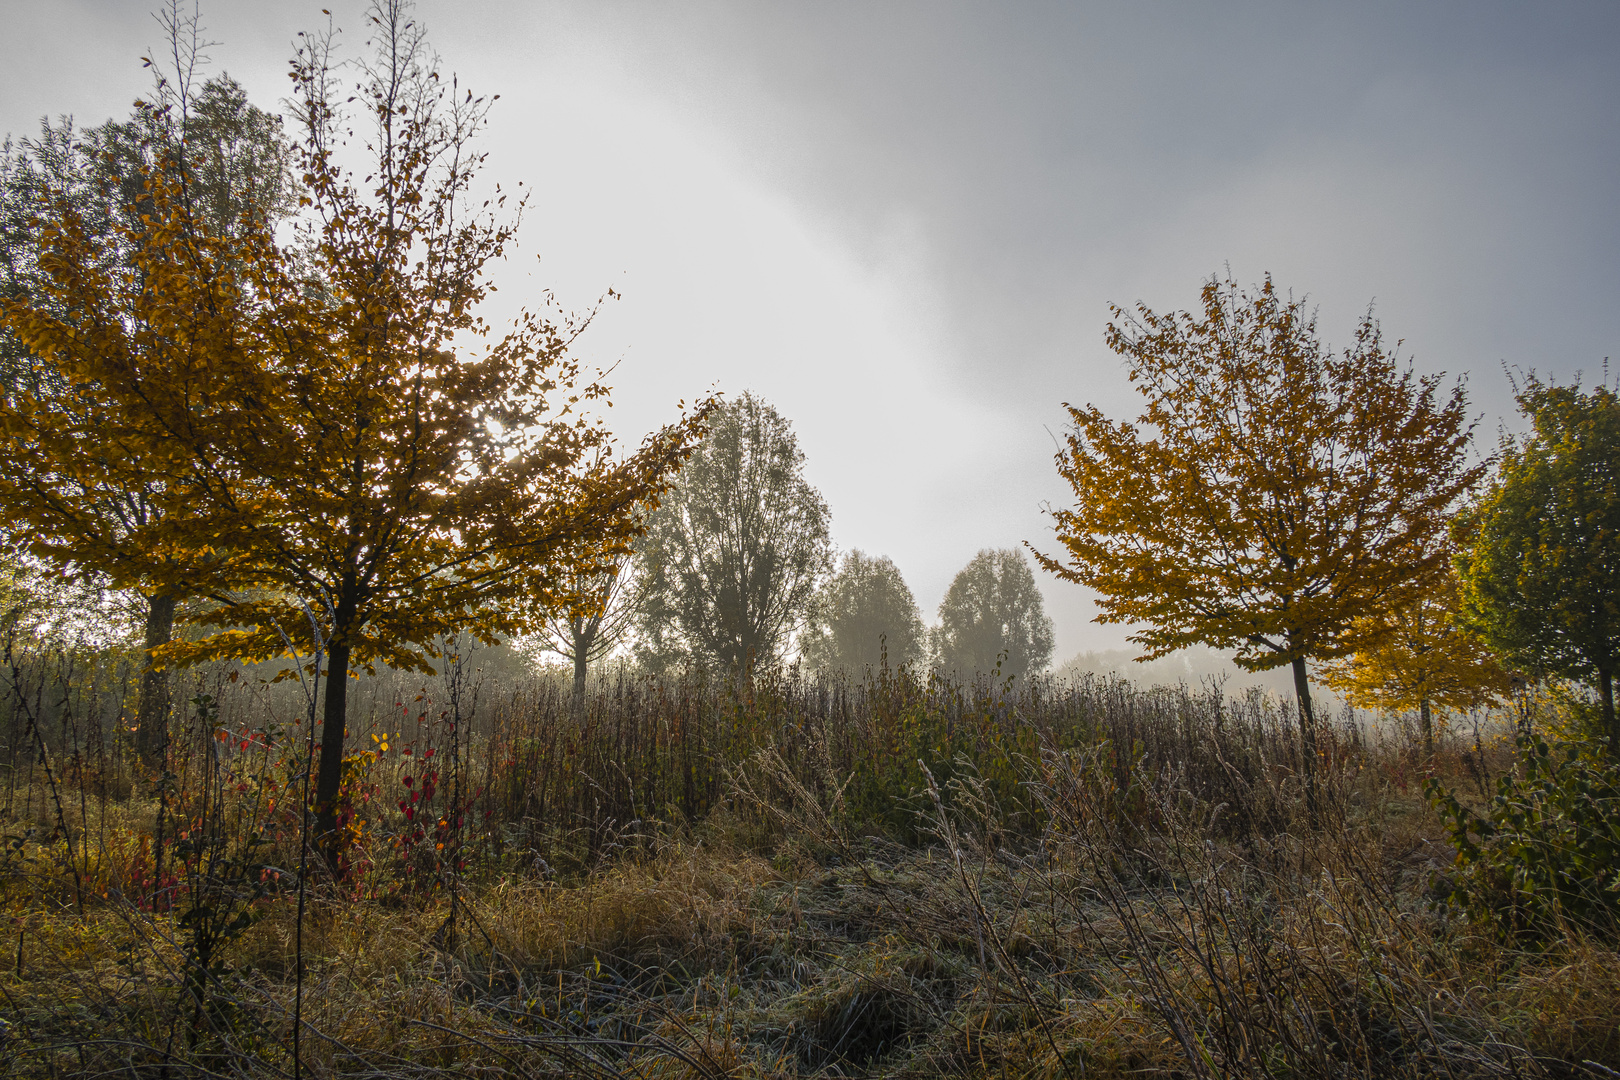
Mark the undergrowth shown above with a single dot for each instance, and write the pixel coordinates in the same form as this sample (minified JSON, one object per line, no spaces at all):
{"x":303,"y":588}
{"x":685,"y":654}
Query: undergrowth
{"x":895,"y":876}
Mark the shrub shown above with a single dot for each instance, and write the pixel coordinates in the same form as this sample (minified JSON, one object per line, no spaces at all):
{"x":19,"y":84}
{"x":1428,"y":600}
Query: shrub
{"x":1547,"y":854}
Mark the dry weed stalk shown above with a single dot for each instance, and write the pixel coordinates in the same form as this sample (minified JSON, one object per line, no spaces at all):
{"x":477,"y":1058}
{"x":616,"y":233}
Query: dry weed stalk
{"x":904,"y":878}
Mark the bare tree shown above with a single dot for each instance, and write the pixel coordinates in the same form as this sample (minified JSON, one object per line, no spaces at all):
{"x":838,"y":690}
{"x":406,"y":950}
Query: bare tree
{"x":597,"y":619}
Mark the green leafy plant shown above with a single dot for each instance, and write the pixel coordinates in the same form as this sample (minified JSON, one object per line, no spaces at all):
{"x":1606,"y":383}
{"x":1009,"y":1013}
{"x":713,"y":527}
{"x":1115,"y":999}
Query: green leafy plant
{"x":1544,"y":858}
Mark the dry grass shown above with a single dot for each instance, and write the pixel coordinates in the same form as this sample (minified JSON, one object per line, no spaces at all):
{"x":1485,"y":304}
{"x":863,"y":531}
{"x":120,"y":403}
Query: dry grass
{"x":912,"y":881}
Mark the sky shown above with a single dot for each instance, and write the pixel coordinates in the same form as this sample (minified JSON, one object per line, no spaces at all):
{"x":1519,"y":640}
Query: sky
{"x":903,"y":223}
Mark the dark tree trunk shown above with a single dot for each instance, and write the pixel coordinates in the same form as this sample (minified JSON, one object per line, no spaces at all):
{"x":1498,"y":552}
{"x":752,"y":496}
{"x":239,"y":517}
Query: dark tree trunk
{"x":583,"y":633}
{"x":1307,"y":733}
{"x":1426,"y":719}
{"x":1606,"y":695}
{"x":580,"y":669}
{"x":152,"y":709}
{"x":334,"y":716}
{"x":579,"y":682}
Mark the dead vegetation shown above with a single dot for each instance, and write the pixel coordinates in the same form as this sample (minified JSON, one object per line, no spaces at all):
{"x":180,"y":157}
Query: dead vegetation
{"x":900,"y":877}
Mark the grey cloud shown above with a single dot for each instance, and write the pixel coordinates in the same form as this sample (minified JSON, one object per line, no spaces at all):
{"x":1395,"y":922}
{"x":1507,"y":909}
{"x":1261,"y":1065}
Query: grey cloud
{"x":1048,"y":158}
{"x":1015,"y":167}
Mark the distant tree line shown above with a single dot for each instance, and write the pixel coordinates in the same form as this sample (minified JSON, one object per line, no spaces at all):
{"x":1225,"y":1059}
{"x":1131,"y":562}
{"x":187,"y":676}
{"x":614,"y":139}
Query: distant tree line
{"x":1301,"y":508}
{"x":736,"y":570}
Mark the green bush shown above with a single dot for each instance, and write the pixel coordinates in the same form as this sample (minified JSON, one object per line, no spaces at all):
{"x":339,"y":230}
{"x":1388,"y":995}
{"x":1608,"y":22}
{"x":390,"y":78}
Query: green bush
{"x":1545,"y":857}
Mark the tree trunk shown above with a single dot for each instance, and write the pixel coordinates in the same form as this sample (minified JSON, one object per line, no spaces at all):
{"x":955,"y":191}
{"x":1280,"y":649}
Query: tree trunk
{"x":579,"y":681}
{"x":152,"y":709}
{"x":334,"y":716}
{"x":1307,"y":733}
{"x":1606,"y":695}
{"x":582,"y":638}
{"x":1427,"y":722}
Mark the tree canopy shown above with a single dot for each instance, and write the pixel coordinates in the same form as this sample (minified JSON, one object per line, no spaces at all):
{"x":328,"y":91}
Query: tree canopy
{"x":1415,"y":655}
{"x":1272,"y":491}
{"x":993,"y":615}
{"x":1540,"y":559}
{"x":864,"y":613}
{"x":734,"y":553}
{"x":350,"y":439}
{"x":81,"y":224}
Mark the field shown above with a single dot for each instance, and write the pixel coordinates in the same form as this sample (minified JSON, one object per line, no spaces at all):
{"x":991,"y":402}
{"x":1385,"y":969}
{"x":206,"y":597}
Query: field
{"x":894,"y":876}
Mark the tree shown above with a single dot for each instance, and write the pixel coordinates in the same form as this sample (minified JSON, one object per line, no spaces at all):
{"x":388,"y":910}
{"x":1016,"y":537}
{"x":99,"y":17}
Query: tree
{"x":40,"y":607}
{"x":864,"y":614}
{"x":1415,"y":656}
{"x":1540,"y":561}
{"x":82,"y":494}
{"x":599,"y":613}
{"x":993,"y":614}
{"x":1279,"y":492}
{"x":359,"y":448}
{"x":733,"y":555}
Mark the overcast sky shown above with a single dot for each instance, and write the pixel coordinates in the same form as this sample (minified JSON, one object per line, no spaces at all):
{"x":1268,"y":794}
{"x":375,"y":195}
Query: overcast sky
{"x":902,"y":223}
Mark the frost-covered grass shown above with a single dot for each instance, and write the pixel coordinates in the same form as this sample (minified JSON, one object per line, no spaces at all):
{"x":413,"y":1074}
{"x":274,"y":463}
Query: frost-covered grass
{"x":892,"y":876}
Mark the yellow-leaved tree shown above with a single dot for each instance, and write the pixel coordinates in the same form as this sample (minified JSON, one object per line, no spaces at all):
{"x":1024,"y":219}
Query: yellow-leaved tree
{"x":1415,"y":656}
{"x":398,"y":467}
{"x":366,"y":469}
{"x":1271,"y":493}
{"x":129,"y":252}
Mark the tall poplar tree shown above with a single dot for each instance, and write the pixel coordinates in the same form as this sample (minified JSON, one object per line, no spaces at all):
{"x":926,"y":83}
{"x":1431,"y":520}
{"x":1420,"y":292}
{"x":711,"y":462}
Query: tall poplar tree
{"x":732,"y":557}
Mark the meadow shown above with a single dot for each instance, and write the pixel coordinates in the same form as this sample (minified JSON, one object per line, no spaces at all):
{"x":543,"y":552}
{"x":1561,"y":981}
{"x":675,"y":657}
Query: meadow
{"x":899,"y":875}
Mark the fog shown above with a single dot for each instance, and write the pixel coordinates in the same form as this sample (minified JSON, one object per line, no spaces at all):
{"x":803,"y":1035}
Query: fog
{"x":903,"y":223}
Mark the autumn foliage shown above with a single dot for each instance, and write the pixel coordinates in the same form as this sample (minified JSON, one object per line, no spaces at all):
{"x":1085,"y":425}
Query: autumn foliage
{"x":134,"y":287}
{"x":1416,"y":655}
{"x":1271,"y":493}
{"x":295,"y":433}
{"x":349,"y":463}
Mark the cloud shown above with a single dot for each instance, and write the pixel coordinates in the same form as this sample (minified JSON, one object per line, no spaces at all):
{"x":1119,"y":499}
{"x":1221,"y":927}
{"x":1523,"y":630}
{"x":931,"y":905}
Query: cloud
{"x":902,"y":223}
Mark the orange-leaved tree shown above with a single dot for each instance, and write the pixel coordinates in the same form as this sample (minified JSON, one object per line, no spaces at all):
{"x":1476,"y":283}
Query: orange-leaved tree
{"x":1414,"y":655}
{"x":362,"y":462}
{"x":130,"y":251}
{"x":1272,"y":492}
{"x":397,"y":468}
